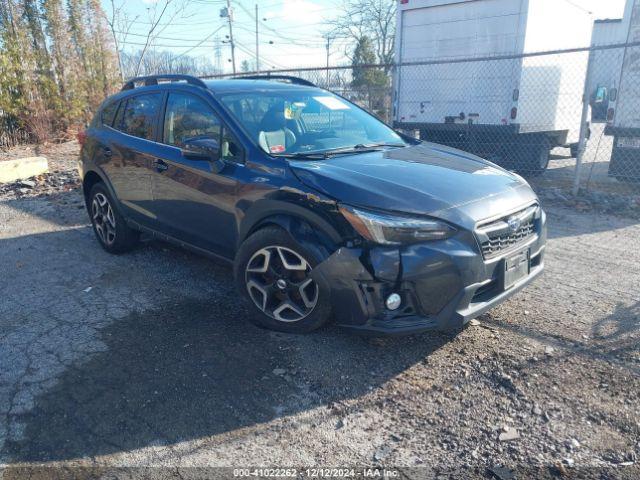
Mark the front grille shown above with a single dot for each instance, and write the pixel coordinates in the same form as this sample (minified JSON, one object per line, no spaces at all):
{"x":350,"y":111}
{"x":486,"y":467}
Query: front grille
{"x":498,"y":237}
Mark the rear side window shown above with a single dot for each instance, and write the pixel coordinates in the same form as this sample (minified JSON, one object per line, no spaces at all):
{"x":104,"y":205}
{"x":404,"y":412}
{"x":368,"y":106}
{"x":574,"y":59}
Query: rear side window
{"x":139,"y":117}
{"x":108,"y":112}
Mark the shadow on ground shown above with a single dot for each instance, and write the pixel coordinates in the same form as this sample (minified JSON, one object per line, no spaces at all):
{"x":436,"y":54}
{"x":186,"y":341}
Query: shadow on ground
{"x":190,"y":369}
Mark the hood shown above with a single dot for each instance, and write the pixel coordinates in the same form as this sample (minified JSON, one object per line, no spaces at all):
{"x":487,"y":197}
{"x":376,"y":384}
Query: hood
{"x":424,"y":179}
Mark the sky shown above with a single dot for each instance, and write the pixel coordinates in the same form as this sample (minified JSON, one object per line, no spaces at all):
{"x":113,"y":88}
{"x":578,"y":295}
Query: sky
{"x":291,"y":32}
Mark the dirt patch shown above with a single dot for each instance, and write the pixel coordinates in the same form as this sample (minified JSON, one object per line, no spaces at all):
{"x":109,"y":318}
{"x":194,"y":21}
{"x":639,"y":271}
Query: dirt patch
{"x":61,"y":156}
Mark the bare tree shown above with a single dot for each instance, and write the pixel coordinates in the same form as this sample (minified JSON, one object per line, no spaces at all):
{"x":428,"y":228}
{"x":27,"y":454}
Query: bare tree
{"x":375,"y":19}
{"x":163,"y":62}
{"x":156,"y":13}
{"x":120,"y":25}
{"x":159,"y":16}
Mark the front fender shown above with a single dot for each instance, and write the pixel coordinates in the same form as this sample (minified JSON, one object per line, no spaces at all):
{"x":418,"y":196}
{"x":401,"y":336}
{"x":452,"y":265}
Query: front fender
{"x":303,"y":223}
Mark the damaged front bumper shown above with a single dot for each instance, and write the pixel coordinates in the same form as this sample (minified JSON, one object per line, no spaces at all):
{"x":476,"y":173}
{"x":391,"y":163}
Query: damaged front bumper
{"x":443,"y":284}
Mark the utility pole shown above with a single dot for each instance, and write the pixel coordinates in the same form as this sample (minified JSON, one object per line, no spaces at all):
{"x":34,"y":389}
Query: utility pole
{"x":218,"y":55}
{"x":257,"y":45}
{"x":229,"y":14}
{"x":328,"y":53}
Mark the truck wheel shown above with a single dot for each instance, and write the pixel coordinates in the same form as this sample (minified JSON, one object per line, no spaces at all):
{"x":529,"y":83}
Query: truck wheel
{"x":273,"y":271}
{"x":574,"y":150}
{"x":533,"y":158}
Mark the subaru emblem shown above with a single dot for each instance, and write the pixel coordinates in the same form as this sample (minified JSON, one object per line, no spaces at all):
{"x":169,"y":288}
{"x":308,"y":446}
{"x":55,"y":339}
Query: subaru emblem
{"x":514,"y":224}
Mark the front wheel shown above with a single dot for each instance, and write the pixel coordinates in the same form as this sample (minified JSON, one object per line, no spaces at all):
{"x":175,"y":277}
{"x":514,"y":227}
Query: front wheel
{"x":273,"y":271}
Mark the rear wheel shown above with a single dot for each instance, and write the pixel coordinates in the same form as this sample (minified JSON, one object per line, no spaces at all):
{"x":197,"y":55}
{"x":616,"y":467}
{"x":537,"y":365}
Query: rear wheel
{"x":111,"y":229}
{"x":574,"y":150}
{"x":532,"y":157}
{"x":540,"y":160}
{"x":273,"y":271}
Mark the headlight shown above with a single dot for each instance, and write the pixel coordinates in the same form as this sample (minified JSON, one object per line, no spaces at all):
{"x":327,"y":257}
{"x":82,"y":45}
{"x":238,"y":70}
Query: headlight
{"x":389,"y":229}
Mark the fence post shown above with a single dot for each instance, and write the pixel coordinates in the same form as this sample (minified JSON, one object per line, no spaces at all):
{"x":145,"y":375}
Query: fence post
{"x":582,"y":140}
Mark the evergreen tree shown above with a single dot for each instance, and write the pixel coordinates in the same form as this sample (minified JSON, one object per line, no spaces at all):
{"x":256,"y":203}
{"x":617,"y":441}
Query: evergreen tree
{"x":65,"y":62}
{"x":107,"y":69}
{"x":369,"y":82}
{"x":57,"y":63}
{"x":17,"y":92}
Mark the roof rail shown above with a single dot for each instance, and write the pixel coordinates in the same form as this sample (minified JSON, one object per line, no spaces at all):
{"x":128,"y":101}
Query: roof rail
{"x":281,"y":78}
{"x":155,"y":79}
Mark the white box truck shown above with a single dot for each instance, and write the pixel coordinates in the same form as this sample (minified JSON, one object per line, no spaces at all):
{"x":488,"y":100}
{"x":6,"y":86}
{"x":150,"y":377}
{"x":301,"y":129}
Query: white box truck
{"x":604,"y":66}
{"x":623,"y":112}
{"x":512,"y":110}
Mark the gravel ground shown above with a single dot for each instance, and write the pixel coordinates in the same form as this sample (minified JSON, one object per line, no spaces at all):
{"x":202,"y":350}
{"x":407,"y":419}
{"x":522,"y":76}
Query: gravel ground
{"x":146,"y":359}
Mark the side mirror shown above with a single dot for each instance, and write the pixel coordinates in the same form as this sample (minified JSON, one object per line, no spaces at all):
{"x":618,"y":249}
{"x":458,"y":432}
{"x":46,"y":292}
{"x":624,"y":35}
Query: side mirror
{"x":204,"y":149}
{"x":201,"y":149}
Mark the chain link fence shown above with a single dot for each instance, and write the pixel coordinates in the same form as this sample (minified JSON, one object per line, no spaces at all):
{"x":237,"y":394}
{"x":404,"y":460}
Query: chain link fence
{"x":568,"y":120}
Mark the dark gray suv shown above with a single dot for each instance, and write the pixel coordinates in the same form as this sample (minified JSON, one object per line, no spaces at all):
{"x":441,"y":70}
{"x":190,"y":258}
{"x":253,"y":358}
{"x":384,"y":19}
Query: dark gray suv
{"x":324,"y":211}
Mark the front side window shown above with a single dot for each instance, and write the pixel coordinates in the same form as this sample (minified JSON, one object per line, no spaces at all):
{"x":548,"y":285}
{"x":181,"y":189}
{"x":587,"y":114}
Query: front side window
{"x":139,"y":117}
{"x":189,"y":118}
{"x":302,"y":121}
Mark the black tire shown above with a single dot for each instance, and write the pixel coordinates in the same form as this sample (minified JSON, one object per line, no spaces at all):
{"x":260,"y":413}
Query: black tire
{"x":540,"y":164}
{"x":271,"y":239}
{"x":574,"y":150}
{"x":532,"y":159}
{"x":114,"y":236}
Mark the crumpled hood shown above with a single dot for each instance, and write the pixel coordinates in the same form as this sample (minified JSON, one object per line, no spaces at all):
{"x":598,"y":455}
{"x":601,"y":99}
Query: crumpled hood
{"x":426,"y":179}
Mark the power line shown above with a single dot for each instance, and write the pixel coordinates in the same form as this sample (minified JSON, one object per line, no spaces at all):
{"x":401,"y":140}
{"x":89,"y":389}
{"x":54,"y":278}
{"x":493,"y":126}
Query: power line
{"x":579,"y":7}
{"x":150,"y":45}
{"x":268,"y":27}
{"x":204,"y":40}
{"x":299,"y":42}
{"x":160,"y":37}
{"x":263,"y":58}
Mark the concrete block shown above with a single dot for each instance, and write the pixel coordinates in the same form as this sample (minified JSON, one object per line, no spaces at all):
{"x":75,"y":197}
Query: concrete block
{"x":21,"y":168}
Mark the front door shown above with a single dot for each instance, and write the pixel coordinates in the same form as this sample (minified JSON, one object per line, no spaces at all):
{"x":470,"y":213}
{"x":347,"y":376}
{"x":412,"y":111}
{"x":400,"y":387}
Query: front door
{"x":194,"y":202}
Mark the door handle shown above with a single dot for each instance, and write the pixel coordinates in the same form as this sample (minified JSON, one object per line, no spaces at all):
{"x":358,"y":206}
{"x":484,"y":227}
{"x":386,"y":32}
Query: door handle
{"x":160,"y":165}
{"x":107,"y":152}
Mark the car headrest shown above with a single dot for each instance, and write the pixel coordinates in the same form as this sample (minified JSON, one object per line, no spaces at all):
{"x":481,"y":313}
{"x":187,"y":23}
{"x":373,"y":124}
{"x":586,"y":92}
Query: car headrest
{"x":273,"y":120}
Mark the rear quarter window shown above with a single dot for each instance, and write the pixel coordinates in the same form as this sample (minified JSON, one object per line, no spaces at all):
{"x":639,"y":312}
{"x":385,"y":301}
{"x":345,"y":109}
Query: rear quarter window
{"x":108,"y":113}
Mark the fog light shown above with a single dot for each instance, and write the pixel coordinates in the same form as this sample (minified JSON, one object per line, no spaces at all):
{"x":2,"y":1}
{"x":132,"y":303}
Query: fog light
{"x":393,"y":301}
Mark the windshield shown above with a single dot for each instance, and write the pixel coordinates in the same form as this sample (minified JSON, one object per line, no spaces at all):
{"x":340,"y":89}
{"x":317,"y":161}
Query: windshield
{"x":302,"y":121}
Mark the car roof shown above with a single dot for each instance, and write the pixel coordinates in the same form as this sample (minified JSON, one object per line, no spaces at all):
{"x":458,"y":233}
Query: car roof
{"x":223,"y":86}
{"x":218,"y":87}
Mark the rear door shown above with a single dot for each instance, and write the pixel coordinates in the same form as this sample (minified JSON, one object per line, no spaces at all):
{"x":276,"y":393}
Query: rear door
{"x":97,"y":146}
{"x":192,"y":201}
{"x":130,"y":153}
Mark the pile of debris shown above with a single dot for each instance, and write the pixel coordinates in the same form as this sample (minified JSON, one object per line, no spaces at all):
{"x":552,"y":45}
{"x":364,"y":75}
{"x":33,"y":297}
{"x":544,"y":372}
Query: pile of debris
{"x":45,"y":184}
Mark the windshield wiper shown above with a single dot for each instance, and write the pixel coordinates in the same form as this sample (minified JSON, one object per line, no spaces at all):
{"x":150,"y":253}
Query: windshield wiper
{"x":361,"y":148}
{"x":302,"y":155}
{"x":324,"y":154}
{"x":382,"y":144}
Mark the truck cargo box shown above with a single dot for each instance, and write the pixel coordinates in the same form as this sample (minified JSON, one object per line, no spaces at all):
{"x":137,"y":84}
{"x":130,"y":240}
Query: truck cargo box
{"x":460,"y":85}
{"x":623,"y":115}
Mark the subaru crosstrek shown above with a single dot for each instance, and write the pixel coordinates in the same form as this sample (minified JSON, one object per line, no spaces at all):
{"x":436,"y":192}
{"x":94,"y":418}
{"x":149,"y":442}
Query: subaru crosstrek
{"x":324,"y":211}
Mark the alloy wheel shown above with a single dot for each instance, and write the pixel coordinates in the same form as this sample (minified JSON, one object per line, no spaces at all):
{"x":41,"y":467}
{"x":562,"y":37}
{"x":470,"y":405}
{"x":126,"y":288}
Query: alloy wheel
{"x":103,"y":218}
{"x":279,"y":283}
